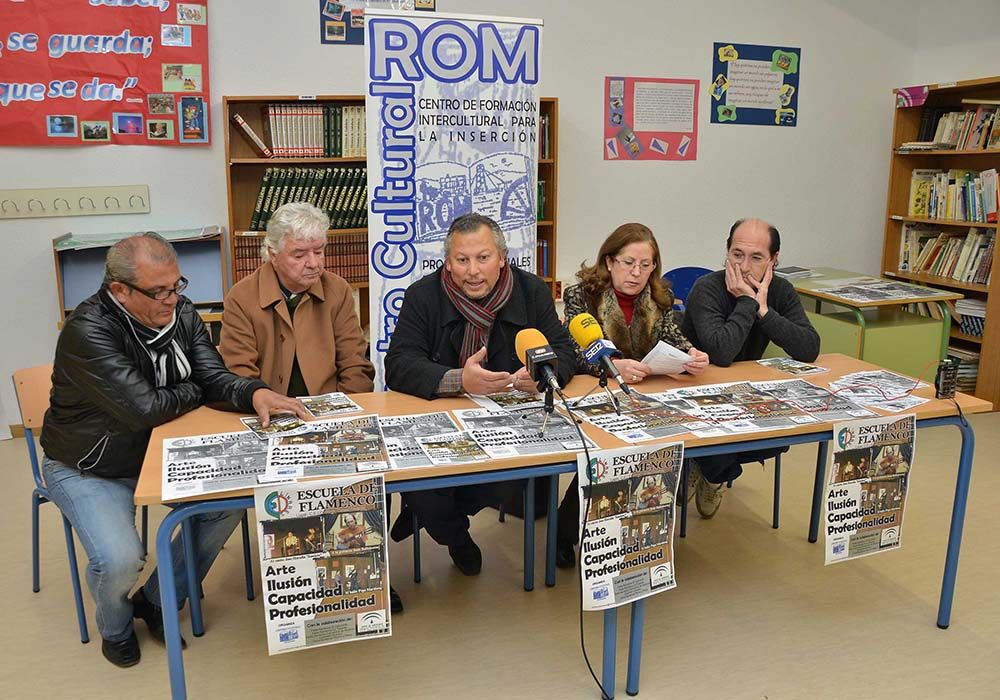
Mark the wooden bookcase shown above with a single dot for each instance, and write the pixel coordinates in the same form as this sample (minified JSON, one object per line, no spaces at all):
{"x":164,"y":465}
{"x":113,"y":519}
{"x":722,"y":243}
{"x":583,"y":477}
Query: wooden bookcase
{"x":245,"y":168}
{"x":906,"y":126}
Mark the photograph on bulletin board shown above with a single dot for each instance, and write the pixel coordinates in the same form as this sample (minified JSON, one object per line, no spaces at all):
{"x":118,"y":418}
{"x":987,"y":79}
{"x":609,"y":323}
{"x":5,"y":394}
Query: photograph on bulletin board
{"x":343,"y":21}
{"x":83,"y":74}
{"x":650,"y":119}
{"x":755,"y":84}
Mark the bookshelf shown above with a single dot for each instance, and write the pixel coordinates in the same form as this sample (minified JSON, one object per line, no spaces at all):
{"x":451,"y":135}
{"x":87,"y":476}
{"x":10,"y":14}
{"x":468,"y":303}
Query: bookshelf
{"x":903,"y":162}
{"x":246,"y":168}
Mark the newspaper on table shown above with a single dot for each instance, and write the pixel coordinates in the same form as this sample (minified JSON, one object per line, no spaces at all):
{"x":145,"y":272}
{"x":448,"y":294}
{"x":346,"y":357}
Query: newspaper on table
{"x":666,"y":359}
{"x":509,"y":400}
{"x":279,"y":426}
{"x":522,"y":432}
{"x":340,"y":446}
{"x":817,"y":401}
{"x":324,"y":564}
{"x":627,"y":499}
{"x":333,"y":404}
{"x":867,"y":486}
{"x":879,"y":290}
{"x":204,"y":464}
{"x":738,"y":407}
{"x":787,"y":364}
{"x":452,"y":448}
{"x":401,"y":433}
{"x":880,"y":389}
{"x":642,"y":417}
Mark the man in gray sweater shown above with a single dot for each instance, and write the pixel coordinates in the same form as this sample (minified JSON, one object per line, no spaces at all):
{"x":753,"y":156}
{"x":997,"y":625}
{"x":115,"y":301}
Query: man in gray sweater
{"x":733,"y":314}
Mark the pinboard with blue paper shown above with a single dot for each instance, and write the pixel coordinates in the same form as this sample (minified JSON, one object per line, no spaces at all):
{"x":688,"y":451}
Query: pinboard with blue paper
{"x":755,"y":84}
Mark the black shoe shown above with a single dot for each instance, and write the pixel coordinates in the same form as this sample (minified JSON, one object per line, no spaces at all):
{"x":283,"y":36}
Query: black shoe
{"x":122,"y":654}
{"x":467,"y":556}
{"x":395,"y":602}
{"x":403,"y":527}
{"x":565,"y":555}
{"x":152,"y":615}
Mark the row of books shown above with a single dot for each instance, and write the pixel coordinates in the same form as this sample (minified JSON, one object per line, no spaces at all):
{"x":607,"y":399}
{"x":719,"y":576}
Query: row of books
{"x":965,"y":130}
{"x":346,"y":254}
{"x":308,"y":130}
{"x":963,"y":257}
{"x":968,"y":368}
{"x":339,"y":191}
{"x":540,"y":201}
{"x":957,"y":195}
{"x":544,"y":144}
{"x":542,"y":258}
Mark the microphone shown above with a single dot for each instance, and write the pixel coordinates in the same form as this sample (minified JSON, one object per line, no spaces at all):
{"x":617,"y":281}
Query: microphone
{"x":587,"y":333}
{"x":534,"y":351}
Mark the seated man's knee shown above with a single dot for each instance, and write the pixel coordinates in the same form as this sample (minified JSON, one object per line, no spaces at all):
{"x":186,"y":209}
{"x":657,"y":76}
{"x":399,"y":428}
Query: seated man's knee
{"x":121,"y":563}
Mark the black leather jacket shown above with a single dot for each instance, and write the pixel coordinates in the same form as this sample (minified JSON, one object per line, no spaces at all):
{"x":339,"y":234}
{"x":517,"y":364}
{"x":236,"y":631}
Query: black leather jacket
{"x":105,"y":402}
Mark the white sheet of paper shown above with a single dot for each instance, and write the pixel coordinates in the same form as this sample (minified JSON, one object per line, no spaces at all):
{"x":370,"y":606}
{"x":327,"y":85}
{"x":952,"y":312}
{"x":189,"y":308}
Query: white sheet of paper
{"x":666,"y":359}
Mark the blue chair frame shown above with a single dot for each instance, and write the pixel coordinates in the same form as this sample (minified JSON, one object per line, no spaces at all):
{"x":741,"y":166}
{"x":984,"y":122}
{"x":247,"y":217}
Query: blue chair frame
{"x":681,"y":280}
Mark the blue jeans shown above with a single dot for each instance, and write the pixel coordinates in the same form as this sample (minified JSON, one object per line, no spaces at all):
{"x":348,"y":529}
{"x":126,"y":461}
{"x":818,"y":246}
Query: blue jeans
{"x":103,"y":513}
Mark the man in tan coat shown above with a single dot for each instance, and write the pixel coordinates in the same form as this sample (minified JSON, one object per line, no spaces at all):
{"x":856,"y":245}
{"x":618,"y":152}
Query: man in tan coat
{"x":292,"y":323}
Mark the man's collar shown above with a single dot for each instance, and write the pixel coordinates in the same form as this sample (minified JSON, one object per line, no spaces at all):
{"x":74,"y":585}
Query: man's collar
{"x":270,"y":289}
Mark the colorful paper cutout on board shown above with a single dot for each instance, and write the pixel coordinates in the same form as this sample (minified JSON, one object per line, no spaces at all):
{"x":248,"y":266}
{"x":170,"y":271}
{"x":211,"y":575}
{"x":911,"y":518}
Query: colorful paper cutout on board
{"x":650,"y":118}
{"x":755,"y":84}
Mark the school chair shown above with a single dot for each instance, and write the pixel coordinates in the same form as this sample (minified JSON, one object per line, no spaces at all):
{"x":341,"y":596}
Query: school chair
{"x":681,"y":280}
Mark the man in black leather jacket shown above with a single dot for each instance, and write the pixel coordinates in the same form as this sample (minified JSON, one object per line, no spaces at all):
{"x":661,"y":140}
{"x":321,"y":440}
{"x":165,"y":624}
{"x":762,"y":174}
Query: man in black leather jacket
{"x":131,"y":357}
{"x":456,"y":334}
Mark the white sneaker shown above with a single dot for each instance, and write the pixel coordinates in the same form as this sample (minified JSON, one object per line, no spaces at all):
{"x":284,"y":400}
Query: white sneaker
{"x":708,"y":497}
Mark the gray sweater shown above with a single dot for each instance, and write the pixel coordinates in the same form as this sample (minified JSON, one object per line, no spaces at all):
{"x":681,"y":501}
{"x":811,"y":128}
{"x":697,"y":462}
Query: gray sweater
{"x":728,"y":329}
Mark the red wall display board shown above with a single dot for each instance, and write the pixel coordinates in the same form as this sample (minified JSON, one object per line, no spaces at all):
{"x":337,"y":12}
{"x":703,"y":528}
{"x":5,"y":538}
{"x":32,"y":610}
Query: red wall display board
{"x":93,"y":72}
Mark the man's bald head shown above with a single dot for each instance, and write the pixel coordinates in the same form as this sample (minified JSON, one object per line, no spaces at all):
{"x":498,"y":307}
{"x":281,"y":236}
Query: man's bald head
{"x":755,"y":226}
{"x":125,"y":256}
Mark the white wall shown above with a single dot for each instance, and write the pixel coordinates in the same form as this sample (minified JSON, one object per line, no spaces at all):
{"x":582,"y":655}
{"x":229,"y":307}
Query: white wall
{"x":822,"y":183}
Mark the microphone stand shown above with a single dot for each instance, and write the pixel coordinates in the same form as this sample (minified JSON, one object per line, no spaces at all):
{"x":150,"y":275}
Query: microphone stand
{"x":602,"y":382}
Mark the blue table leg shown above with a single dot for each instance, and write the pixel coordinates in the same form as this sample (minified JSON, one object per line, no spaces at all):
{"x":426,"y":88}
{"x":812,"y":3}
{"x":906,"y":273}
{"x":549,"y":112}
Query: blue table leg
{"x":529,"y":534}
{"x":635,"y":646}
{"x":550,"y":531}
{"x":36,"y":501}
{"x":610,"y":651}
{"x":416,"y":548}
{"x":776,"y":504}
{"x":168,"y":597}
{"x":957,"y":523}
{"x":686,"y":466}
{"x":194,"y":586}
{"x":818,"y":489}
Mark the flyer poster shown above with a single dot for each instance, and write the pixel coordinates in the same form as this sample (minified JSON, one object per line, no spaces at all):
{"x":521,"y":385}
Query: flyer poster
{"x":650,"y":119}
{"x":755,"y":84}
{"x":627,"y":499}
{"x":324,"y":564}
{"x":867,"y":486}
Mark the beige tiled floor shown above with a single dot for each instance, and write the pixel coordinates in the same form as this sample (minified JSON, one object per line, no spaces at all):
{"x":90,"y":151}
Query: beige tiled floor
{"x":755,"y":615}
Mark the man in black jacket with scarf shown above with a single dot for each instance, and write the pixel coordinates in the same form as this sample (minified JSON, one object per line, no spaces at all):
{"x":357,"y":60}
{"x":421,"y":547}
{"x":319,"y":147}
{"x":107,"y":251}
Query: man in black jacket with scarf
{"x":456,"y":334}
{"x":132,"y":357}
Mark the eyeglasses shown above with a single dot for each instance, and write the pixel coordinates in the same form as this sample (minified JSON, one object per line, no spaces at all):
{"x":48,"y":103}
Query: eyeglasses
{"x":644,"y":266}
{"x":160,"y":294}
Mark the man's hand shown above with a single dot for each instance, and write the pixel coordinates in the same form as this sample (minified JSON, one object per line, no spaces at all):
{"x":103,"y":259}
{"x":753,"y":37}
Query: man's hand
{"x":476,"y":379}
{"x":267,"y":403}
{"x":698,"y":363}
{"x":736,"y":284}
{"x":760,"y":290}
{"x":523,"y":381}
{"x":632,"y":371}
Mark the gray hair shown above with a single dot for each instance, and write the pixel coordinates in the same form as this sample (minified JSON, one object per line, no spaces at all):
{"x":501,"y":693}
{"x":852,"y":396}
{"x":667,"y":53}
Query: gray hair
{"x":120,"y":264}
{"x":298,"y":220}
{"x":472,"y":222}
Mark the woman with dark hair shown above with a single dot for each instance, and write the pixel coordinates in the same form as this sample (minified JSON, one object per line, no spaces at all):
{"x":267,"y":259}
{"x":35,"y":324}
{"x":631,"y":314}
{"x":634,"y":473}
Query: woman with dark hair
{"x":625,"y":292}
